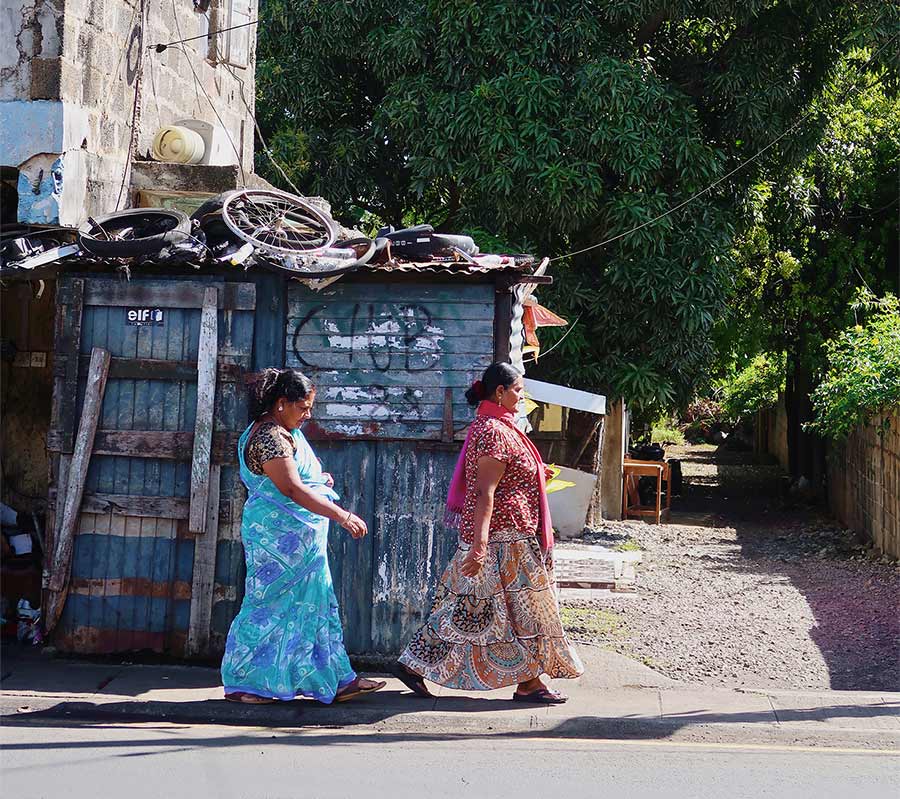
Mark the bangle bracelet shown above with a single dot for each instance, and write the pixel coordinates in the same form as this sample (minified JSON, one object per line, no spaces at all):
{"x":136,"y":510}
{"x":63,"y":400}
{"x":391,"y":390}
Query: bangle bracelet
{"x":349,"y":516}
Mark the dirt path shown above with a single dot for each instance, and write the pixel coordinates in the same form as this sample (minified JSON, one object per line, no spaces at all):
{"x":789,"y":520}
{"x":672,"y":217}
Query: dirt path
{"x":747,"y":587}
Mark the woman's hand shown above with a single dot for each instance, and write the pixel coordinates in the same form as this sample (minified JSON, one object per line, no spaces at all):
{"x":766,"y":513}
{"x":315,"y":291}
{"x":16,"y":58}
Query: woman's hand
{"x":474,"y":561}
{"x":548,"y":473}
{"x":354,"y":525}
{"x":329,"y":479}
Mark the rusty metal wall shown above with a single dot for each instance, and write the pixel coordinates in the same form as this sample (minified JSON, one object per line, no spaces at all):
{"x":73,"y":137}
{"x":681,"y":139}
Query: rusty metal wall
{"x":384,"y":357}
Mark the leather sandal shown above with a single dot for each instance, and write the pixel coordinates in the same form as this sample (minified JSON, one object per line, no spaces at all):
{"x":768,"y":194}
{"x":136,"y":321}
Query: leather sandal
{"x":249,"y":699}
{"x":356,"y":688}
{"x":543,"y":696}
{"x":413,"y":681}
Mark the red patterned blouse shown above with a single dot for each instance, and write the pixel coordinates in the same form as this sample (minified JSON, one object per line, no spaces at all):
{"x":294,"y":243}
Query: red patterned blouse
{"x":517,"y":503}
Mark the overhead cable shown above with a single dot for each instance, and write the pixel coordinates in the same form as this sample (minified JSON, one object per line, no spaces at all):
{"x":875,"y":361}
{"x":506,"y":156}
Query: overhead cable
{"x":803,"y":118}
{"x":162,"y":47}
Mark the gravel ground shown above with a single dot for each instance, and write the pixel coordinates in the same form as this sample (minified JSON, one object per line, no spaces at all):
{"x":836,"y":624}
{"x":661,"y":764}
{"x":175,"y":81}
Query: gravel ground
{"x":748,"y":587}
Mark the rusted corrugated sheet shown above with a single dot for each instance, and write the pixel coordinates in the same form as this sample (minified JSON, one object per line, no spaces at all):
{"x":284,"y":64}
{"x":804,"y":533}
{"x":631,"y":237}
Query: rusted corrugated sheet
{"x":510,"y":263}
{"x":391,"y":363}
{"x":412,"y":546}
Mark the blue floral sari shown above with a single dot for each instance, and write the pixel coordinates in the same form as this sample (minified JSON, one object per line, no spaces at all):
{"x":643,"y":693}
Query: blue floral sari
{"x":286,"y":641}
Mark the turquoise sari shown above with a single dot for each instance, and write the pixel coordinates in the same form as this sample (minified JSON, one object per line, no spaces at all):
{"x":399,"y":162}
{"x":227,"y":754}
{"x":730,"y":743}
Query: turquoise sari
{"x":286,"y":641}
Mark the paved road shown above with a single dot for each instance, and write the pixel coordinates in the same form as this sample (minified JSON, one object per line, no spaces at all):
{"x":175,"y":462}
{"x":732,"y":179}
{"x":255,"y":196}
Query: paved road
{"x":61,"y":761}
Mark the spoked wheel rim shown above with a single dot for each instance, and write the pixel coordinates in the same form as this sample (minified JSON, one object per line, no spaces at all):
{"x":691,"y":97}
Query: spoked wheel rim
{"x":278,"y":222}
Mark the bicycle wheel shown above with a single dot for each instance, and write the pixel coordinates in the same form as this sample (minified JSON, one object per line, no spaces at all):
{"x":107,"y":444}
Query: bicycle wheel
{"x":137,"y":231}
{"x":278,"y":222}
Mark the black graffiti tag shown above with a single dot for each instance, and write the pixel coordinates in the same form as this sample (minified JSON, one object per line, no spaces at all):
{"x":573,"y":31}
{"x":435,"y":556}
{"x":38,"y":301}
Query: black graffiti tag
{"x":390,"y":331}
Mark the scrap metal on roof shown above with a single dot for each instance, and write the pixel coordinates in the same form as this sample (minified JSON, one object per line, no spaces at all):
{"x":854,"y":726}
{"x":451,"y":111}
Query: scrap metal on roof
{"x":516,"y":263}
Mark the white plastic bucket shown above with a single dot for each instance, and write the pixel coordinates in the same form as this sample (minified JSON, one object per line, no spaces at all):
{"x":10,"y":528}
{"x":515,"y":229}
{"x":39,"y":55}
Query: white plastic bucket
{"x":175,"y":144}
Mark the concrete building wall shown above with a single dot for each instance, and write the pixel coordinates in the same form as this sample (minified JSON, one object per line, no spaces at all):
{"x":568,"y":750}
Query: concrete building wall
{"x":77,"y":73}
{"x":30,"y":37}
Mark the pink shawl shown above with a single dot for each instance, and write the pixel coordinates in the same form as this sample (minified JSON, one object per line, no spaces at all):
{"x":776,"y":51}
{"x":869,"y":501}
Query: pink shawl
{"x":457,"y":495}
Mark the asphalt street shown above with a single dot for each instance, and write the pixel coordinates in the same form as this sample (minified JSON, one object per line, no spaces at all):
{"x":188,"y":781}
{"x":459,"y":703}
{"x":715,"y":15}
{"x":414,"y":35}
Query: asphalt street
{"x":59,"y":760}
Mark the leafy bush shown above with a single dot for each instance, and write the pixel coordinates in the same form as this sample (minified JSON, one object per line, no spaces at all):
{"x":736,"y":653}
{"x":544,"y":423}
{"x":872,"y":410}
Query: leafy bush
{"x":704,"y":410}
{"x":863,"y":373}
{"x":755,"y":387}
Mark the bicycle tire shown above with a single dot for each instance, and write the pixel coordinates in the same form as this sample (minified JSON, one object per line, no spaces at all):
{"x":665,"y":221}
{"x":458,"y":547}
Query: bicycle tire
{"x":177,"y":228}
{"x":270,"y":233}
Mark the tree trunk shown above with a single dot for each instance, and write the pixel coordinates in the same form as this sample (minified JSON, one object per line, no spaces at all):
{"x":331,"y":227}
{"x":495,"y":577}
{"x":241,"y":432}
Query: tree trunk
{"x":805,"y":451}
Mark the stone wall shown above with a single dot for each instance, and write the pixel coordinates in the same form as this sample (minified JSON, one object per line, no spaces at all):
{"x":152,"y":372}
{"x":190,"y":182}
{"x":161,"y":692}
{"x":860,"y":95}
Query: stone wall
{"x":76,"y":72}
{"x":864,"y":482}
{"x":771,"y":433}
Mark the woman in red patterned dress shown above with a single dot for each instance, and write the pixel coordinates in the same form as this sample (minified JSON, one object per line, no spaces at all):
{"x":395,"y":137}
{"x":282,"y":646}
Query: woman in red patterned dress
{"x":495,"y":618}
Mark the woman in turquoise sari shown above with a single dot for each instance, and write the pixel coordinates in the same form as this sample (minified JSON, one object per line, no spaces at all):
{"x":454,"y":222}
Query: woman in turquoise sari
{"x":286,"y":641}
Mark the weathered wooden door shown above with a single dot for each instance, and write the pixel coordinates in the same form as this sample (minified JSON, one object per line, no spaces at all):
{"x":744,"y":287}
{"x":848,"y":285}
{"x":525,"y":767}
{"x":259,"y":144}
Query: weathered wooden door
{"x":157,"y":562}
{"x":391,"y":362}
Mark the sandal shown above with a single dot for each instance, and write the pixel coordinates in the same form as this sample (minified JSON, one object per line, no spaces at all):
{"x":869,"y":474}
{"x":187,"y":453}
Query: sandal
{"x":413,"y":681}
{"x":249,"y":699}
{"x":356,"y":688}
{"x":543,"y":696}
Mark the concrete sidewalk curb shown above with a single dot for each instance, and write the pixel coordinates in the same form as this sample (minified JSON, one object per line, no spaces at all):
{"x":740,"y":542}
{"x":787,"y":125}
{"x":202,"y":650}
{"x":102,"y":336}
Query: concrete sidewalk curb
{"x":358,"y":718}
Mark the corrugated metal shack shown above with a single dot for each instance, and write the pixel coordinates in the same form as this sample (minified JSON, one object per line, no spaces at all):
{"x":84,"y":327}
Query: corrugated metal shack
{"x":157,"y":560}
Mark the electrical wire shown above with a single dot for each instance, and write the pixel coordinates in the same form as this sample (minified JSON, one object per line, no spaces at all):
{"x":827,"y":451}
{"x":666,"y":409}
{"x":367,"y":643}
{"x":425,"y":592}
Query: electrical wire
{"x":135,"y":112}
{"x":803,"y":118}
{"x":162,"y":47}
{"x":259,"y":133}
{"x":212,"y":105}
{"x":556,"y":344}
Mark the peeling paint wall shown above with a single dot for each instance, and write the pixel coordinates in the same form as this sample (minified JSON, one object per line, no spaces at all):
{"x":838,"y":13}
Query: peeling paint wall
{"x":28,"y":31}
{"x":385,"y":356}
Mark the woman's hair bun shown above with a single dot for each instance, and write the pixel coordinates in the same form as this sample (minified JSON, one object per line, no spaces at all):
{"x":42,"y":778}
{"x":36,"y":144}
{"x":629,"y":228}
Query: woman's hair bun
{"x":496,"y":375}
{"x":271,"y":384}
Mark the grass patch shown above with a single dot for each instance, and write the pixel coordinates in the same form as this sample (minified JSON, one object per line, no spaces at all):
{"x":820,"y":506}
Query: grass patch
{"x":628,"y":545}
{"x":667,"y":434}
{"x":591,"y":622}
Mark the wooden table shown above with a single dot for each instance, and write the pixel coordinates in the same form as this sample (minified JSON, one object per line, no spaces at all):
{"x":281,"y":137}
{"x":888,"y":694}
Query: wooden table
{"x":632,"y":471}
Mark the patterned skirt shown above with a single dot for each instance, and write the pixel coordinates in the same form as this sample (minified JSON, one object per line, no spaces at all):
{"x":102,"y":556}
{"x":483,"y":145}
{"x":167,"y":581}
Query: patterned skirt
{"x":496,"y":629}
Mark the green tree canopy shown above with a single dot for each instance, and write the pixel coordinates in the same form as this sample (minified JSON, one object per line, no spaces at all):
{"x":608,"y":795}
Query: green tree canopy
{"x":862,"y":377}
{"x":554,"y":125}
{"x":817,"y":232}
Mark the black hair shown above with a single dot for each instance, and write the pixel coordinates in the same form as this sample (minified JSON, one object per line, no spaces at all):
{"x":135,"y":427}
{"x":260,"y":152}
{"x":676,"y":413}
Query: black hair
{"x":497,"y":374}
{"x":272,"y":384}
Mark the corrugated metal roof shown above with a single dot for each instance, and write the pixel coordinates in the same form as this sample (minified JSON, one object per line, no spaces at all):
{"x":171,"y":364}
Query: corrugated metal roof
{"x":516,"y":263}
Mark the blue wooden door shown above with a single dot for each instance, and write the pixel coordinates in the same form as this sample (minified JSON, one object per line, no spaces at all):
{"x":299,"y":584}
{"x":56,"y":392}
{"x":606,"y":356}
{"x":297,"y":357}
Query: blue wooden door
{"x":140,"y":579}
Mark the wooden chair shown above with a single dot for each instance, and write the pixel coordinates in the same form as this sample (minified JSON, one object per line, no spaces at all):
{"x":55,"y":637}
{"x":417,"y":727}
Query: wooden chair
{"x":632,"y":471}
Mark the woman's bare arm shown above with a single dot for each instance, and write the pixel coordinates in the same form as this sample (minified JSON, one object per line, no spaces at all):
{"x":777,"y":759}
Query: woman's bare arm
{"x":490,"y":470}
{"x":283,"y":473}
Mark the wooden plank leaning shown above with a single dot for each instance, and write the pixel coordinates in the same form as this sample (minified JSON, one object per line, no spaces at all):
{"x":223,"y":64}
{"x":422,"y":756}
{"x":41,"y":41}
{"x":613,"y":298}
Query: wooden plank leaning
{"x":206,"y":398}
{"x":204,"y":573}
{"x":77,"y":473}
